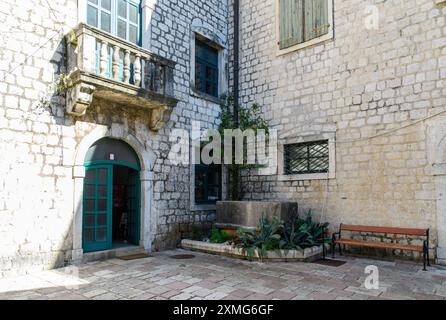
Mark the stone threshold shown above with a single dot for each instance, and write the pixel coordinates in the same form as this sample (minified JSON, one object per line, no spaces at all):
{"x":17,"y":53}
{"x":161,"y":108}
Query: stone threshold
{"x":224,"y":249}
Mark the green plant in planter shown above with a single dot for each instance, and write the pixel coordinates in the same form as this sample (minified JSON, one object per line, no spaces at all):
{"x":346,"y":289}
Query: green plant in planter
{"x":303,"y":233}
{"x":266,"y":238}
{"x":219,"y":236}
{"x":197,"y":233}
{"x":275,"y":235}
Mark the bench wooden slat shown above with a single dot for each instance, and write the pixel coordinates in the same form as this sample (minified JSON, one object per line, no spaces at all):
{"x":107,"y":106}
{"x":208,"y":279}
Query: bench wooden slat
{"x":401,"y":231}
{"x":381,"y":245}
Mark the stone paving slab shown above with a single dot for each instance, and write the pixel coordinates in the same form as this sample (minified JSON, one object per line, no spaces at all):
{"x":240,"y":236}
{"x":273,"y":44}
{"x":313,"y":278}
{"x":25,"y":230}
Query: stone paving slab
{"x":210,"y":277}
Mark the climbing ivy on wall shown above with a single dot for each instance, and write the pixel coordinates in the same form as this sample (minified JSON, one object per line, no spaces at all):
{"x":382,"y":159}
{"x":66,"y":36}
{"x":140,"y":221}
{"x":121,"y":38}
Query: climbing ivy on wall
{"x":250,"y":117}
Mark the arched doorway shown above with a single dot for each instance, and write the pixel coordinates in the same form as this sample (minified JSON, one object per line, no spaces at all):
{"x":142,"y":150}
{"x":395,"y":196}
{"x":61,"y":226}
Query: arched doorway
{"x":111,"y":196}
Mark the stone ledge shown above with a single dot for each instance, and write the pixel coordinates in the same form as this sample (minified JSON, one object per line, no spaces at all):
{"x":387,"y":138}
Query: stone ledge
{"x":309,"y":254}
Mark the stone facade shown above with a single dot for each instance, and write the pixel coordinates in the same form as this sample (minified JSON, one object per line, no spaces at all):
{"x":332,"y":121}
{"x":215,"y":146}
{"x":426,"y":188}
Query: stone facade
{"x":378,"y":90}
{"x":378,"y":93}
{"x":41,"y":164}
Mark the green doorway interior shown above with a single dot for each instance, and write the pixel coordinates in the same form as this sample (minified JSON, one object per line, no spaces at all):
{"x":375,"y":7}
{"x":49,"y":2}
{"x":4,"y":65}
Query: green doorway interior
{"x":111,"y":198}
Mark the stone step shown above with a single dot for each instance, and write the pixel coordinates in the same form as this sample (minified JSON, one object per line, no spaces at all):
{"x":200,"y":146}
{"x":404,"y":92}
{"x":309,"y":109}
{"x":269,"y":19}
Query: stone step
{"x":113,"y":253}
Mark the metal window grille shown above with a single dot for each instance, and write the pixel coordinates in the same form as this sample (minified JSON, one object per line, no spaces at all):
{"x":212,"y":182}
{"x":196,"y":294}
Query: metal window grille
{"x":308,"y":157}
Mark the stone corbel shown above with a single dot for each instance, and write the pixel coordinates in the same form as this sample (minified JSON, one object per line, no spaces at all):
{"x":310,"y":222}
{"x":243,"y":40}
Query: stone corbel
{"x":79,"y":98}
{"x":157,"y":118}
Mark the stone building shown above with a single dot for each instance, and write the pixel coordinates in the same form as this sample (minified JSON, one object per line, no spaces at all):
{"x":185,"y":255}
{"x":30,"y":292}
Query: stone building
{"x":92,"y":90}
{"x":356,"y":90}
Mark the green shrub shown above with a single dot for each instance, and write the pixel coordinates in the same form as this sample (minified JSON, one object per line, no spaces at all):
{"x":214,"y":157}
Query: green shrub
{"x":197,"y":233}
{"x":219,"y":236}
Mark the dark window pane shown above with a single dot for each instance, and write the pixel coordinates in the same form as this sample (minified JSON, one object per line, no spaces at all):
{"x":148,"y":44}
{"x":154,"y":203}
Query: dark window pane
{"x":102,"y":205}
{"x":89,"y":220}
{"x":89,"y":191}
{"x":89,"y":205}
{"x":102,"y":219}
{"x":133,"y":34}
{"x":105,"y":22}
{"x":90,"y":176}
{"x":101,"y":234}
{"x":89,"y":235}
{"x":206,"y":68}
{"x":207,"y":183}
{"x":102,"y":191}
{"x":133,"y":14}
{"x":122,"y":8}
{"x":122,"y":29}
{"x":92,"y":16}
{"x":106,"y":4}
{"x":102,"y":176}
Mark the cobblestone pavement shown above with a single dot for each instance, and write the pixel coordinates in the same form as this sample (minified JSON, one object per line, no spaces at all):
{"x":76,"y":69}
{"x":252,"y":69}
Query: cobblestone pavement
{"x":214,"y":277}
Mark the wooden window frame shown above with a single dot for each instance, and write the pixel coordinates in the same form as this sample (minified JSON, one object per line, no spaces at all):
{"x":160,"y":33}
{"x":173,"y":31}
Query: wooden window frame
{"x":115,"y":18}
{"x":308,"y":43}
{"x":206,"y":184}
{"x":214,"y":66}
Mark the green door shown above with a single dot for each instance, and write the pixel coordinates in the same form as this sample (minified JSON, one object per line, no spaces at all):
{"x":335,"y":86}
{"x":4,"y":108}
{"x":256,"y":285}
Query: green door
{"x":97,"y":208}
{"x":133,"y":190}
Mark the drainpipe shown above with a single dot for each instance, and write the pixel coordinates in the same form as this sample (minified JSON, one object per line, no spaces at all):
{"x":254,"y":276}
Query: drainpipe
{"x":235,"y":173}
{"x":236,"y":10}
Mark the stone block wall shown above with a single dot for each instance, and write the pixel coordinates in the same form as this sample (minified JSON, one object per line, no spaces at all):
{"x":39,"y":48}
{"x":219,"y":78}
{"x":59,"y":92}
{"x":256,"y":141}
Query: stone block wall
{"x":372,"y":88}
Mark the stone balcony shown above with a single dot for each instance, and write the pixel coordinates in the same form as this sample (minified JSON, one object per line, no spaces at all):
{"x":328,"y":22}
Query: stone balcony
{"x":106,"y":67}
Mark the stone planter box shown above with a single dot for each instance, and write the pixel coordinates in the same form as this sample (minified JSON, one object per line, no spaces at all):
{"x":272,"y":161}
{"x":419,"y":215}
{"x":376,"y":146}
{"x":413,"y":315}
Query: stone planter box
{"x":246,"y":214}
{"x":308,"y":255}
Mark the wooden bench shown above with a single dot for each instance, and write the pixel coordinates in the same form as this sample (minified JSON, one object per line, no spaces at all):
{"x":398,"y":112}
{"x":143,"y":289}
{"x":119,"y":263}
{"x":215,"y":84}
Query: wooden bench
{"x":424,"y":249}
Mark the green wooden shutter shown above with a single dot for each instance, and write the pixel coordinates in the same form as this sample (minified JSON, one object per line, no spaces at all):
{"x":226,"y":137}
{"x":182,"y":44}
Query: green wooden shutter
{"x":291,"y":23}
{"x":316,"y":19}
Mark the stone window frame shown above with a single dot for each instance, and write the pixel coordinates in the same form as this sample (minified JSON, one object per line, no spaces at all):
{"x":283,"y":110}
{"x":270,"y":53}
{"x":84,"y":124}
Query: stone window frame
{"x":331,"y":174}
{"x":306,"y":44}
{"x":214,"y":39}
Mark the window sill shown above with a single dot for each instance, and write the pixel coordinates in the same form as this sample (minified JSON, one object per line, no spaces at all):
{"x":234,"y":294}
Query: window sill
{"x":309,"y":176}
{"x":203,"y":207}
{"x":198,"y":94}
{"x":313,"y":42}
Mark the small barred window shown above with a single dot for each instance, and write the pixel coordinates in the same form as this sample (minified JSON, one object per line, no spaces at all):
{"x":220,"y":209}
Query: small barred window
{"x":305,"y":158}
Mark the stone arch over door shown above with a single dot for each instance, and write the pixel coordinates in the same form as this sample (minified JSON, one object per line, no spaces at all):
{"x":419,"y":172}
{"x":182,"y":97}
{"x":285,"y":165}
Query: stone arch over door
{"x":147,"y":160}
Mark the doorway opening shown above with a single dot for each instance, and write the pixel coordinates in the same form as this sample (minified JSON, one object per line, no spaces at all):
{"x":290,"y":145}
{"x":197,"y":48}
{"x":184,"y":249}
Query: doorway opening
{"x":111,"y":198}
{"x":124,"y":226}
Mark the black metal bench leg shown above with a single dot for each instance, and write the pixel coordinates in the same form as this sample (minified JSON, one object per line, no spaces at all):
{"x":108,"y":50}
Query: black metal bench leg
{"x":427,"y":256}
{"x":340,"y":249}
{"x":424,"y":256}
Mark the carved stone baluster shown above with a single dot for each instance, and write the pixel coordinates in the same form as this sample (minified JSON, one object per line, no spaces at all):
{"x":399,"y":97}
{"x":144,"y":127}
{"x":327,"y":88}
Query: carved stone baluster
{"x":103,"y":66}
{"x":127,"y":66}
{"x":143,"y":73}
{"x":137,"y":70}
{"x":116,"y":58}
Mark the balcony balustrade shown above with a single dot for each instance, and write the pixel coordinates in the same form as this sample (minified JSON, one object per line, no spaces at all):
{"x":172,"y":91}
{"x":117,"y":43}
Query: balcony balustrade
{"x":106,"y":67}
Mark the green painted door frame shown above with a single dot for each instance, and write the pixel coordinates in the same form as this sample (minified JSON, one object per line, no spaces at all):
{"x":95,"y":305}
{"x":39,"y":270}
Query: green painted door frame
{"x":97,"y":218}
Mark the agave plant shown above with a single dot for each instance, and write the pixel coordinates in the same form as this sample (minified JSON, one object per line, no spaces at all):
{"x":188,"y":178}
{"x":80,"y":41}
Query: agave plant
{"x":266,"y":238}
{"x":276,"y":235}
{"x":303,"y":233}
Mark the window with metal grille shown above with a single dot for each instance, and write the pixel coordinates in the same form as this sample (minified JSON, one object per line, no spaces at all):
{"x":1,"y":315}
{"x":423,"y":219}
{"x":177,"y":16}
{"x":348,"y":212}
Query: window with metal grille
{"x":206,"y":68}
{"x":308,"y":157}
{"x":208,"y":183}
